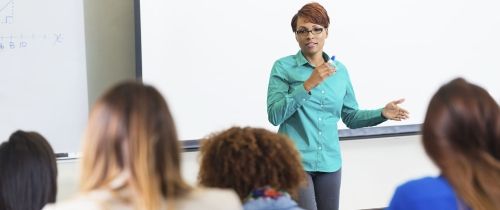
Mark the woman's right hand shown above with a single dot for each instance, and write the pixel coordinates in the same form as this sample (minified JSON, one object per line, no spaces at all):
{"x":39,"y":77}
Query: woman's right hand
{"x":320,"y":73}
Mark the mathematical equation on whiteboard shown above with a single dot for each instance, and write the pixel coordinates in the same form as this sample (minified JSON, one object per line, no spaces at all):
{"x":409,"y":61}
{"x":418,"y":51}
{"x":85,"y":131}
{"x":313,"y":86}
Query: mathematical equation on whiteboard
{"x":13,"y":42}
{"x":6,"y":11}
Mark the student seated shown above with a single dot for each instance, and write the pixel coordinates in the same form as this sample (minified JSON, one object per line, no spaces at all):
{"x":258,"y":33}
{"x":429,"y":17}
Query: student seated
{"x":131,"y":158}
{"x":461,"y":134}
{"x":263,"y":168}
{"x":28,"y":172}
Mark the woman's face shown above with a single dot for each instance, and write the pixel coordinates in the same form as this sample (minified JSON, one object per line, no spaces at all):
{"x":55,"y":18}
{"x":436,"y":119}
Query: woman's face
{"x":311,"y":37}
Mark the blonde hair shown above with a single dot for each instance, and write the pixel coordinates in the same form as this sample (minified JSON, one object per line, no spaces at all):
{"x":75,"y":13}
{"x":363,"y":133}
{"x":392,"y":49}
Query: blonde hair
{"x":131,"y":130}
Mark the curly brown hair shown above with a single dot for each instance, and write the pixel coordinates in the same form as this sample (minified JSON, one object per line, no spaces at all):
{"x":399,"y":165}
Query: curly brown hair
{"x":247,"y":158}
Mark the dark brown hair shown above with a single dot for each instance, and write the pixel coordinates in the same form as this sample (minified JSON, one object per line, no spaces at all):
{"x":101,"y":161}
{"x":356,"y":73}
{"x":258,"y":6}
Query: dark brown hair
{"x":247,"y":158}
{"x":461,"y":134}
{"x":28,"y":172}
{"x":312,"y":12}
{"x":131,"y":130}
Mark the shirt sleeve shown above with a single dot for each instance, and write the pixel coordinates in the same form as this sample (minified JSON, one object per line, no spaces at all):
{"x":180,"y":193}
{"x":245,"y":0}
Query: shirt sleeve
{"x":352,"y":116}
{"x":280,"y":103}
{"x":398,"y":201}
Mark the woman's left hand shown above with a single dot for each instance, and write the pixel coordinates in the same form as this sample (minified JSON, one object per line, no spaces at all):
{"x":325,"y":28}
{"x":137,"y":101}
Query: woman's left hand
{"x":393,"y":112}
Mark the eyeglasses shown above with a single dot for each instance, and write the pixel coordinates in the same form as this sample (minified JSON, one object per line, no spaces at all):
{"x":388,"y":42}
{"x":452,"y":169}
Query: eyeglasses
{"x":305,"y":32}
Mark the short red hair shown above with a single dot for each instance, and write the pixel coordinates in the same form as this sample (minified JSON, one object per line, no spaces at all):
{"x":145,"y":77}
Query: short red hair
{"x":313,"y":13}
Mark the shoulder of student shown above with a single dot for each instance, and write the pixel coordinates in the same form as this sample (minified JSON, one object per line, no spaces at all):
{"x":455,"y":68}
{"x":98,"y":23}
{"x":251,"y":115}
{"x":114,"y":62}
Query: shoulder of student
{"x":210,"y":198}
{"x":198,"y":198}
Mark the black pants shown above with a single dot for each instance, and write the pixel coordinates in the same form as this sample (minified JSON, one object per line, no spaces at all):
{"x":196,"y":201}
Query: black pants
{"x":322,"y":191}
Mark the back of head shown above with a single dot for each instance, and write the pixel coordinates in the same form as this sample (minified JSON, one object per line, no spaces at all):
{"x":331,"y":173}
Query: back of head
{"x":247,"y":158}
{"x":131,"y":133}
{"x":28,"y":172}
{"x":461,"y":134}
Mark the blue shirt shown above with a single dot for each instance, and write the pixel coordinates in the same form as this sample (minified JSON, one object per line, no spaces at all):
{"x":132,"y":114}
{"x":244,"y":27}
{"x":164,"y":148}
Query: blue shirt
{"x":281,"y":203}
{"x":310,"y":120}
{"x":428,"y":193}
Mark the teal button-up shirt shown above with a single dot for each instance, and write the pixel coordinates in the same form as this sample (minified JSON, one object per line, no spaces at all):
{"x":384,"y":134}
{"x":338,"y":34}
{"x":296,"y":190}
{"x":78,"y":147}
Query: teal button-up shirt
{"x":310,"y":120}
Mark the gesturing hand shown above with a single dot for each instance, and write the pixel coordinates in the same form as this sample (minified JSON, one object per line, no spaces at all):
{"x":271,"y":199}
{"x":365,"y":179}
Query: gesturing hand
{"x":319,"y":74}
{"x":393,"y":112}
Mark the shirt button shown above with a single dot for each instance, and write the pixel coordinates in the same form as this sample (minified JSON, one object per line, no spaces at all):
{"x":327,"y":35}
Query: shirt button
{"x":323,"y":91}
{"x":303,"y":99}
{"x":320,"y":133}
{"x":320,"y":119}
{"x":319,"y":148}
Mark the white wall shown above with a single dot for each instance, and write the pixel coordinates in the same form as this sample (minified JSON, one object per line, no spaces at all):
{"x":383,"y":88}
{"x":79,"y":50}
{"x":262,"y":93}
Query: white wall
{"x":212,"y":59}
{"x":372,"y":169}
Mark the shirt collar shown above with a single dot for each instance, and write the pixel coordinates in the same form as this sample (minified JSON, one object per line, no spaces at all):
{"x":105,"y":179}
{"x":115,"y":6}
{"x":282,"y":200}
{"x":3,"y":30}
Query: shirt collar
{"x":301,"y":60}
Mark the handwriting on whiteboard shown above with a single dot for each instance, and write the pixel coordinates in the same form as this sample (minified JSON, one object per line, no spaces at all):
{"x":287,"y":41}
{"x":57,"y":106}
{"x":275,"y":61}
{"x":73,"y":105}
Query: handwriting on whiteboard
{"x":12,"y":42}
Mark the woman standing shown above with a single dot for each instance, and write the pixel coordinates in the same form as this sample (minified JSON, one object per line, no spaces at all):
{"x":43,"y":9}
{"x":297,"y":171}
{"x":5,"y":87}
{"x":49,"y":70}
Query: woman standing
{"x":307,"y":95}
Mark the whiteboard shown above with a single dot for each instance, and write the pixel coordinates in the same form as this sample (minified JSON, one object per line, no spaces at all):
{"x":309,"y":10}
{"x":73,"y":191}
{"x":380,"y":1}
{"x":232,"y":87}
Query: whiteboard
{"x":212,"y":59}
{"x":43,"y":82}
